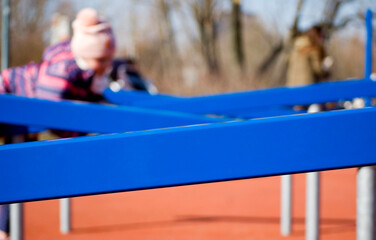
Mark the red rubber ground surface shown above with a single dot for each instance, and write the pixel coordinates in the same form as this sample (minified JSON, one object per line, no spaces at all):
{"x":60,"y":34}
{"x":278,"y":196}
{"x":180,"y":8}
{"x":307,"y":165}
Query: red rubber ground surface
{"x":245,"y":209}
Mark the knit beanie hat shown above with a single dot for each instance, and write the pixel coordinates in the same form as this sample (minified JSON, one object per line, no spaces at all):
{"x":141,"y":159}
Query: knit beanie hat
{"x":92,"y":36}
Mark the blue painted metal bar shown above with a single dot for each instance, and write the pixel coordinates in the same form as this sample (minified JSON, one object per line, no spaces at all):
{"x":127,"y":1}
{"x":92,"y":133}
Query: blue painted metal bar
{"x":188,"y":155}
{"x":87,"y":117}
{"x":271,"y":111}
{"x":130,"y":97}
{"x":133,"y":98}
{"x":226,"y":104}
{"x":127,"y":98}
{"x":368,"y":50}
{"x":232,"y":105}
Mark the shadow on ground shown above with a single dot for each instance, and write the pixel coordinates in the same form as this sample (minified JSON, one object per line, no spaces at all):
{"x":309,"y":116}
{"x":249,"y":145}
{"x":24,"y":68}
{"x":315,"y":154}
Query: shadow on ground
{"x":328,"y":226}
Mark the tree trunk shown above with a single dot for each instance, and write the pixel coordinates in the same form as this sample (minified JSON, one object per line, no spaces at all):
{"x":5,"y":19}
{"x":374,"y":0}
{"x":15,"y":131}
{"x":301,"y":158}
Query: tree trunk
{"x":283,"y":48}
{"x":237,"y":32}
{"x":207,"y":25}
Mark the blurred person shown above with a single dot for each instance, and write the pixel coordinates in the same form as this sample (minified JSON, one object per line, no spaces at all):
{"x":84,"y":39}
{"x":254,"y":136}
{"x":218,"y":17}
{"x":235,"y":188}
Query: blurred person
{"x":76,"y":70}
{"x":126,"y":75}
{"x":308,"y":62}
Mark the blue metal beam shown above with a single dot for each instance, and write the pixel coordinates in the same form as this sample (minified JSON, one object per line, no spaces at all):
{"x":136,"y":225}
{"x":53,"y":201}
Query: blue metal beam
{"x":368,"y":47}
{"x":252,"y":104}
{"x":131,"y":97}
{"x":226,"y":104}
{"x":187,"y":155}
{"x":272,"y":111}
{"x":88,"y":117}
{"x":230,"y":103}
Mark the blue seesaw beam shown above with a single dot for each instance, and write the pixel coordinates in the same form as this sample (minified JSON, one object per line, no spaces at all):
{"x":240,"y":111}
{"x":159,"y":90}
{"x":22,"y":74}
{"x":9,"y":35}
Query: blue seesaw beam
{"x":138,"y":98}
{"x":106,"y":119}
{"x":271,"y":111}
{"x":187,"y":155}
{"x":245,"y":102}
{"x":368,"y":46}
{"x":89,"y":117}
{"x":131,"y":97}
{"x":229,"y":103}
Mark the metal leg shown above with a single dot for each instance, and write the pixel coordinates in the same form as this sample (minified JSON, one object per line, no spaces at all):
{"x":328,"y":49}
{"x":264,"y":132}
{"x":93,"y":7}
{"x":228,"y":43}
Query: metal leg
{"x":16,"y":221}
{"x":313,"y":206}
{"x":365,"y":209}
{"x":286,"y":204}
{"x":313,"y":196}
{"x":65,"y":216}
{"x":16,"y":209}
{"x":365,"y":202}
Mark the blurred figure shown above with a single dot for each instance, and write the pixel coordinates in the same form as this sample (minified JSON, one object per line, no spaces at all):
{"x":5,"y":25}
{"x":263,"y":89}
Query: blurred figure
{"x":308,"y":62}
{"x":125,"y":75}
{"x":75,"y":70}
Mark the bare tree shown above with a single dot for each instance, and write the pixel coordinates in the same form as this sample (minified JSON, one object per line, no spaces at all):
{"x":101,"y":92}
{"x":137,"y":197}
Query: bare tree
{"x":237,"y":31}
{"x":65,"y":7}
{"x":169,"y":51}
{"x":282,"y":50}
{"x":28,"y":25}
{"x":167,"y":32}
{"x":283,"y":47}
{"x":204,"y":13}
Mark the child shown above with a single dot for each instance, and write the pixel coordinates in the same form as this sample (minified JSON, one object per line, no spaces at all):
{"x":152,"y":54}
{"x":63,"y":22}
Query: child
{"x":75,"y":70}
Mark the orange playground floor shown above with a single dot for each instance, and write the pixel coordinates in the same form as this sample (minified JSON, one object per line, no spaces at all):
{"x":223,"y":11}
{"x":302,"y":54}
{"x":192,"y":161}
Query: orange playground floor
{"x":244,"y":209}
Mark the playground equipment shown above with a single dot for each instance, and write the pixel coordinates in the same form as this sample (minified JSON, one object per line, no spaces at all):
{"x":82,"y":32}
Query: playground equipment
{"x":30,"y":164}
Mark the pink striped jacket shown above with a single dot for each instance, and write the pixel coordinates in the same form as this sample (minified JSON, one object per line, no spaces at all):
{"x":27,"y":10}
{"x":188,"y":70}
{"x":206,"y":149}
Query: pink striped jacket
{"x":57,"y":77}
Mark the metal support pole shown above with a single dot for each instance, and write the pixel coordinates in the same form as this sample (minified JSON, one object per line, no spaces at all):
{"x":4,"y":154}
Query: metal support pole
{"x":286,"y":204}
{"x":65,"y":215}
{"x":313,"y":196}
{"x":365,"y":216}
{"x":16,"y":221}
{"x":366,"y":177}
{"x":368,"y":50}
{"x":365,"y":201}
{"x":16,"y":209}
{"x":313,"y":206}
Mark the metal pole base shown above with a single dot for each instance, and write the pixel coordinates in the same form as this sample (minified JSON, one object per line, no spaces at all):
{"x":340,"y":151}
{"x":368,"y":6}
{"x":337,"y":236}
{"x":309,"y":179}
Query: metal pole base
{"x":313,"y":206}
{"x":365,"y":204}
{"x":16,"y":221}
{"x":286,"y":203}
{"x":65,"y":215}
